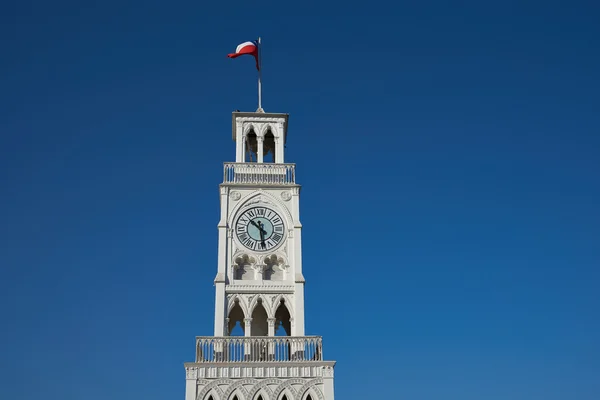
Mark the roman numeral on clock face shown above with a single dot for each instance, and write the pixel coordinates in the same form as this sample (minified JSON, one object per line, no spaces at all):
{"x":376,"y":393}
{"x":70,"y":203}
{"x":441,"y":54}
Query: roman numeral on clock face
{"x":260,"y":229}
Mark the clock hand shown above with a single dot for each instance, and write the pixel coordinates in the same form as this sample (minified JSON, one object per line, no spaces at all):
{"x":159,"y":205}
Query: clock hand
{"x":262,"y":238}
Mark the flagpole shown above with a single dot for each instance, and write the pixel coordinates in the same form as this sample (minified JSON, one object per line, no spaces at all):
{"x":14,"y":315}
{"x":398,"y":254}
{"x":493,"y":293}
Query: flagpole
{"x":259,"y":78}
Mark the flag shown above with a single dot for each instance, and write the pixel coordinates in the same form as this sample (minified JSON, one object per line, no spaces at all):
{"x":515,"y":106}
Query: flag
{"x":247,"y":48}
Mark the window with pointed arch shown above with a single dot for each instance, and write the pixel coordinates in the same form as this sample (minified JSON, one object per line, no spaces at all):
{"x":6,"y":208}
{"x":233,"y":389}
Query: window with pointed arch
{"x":269,"y":146}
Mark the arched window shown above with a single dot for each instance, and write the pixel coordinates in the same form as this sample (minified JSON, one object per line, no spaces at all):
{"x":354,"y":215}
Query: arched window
{"x":236,"y":320}
{"x":269,"y":146}
{"x":260,"y":326}
{"x":251,"y":147}
{"x":282,"y":320}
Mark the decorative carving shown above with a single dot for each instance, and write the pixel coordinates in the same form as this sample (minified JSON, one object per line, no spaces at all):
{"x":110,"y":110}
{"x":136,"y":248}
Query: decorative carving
{"x":290,"y":233}
{"x":259,"y":199}
{"x":239,"y":288}
{"x":235,"y":195}
{"x":214,"y":386}
{"x":311,"y":385}
{"x":296,"y":190}
{"x":223,"y":189}
{"x":191,"y":373}
{"x":264,"y":385}
{"x":288,"y":386}
{"x":328,"y":372}
{"x":239,"y":385}
{"x":286,"y":196}
{"x":271,"y":322}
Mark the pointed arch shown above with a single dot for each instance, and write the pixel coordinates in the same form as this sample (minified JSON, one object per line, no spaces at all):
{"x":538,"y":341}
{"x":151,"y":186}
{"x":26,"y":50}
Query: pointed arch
{"x":287,"y":303}
{"x":212,"y":395}
{"x":262,"y":395}
{"x":213,"y":389}
{"x":238,"y":389}
{"x":263,"y":387}
{"x":260,"y":298}
{"x":269,"y":146}
{"x":287,"y":387}
{"x":260,"y":325}
{"x":251,"y":145}
{"x":286,"y":395}
{"x":241,"y":302}
{"x":235,"y":315}
{"x":283,"y":318}
{"x":311,"y":388}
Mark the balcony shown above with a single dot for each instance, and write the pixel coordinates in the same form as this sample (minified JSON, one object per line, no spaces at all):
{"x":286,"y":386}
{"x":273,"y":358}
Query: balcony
{"x":258,"y":349}
{"x":259,"y":174}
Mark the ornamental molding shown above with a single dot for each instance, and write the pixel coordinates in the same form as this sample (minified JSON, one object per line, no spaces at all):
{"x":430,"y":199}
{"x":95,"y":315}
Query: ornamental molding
{"x":239,"y":385}
{"x":214,"y":386}
{"x":248,"y":302}
{"x":260,"y":119}
{"x":311,"y":386}
{"x":300,"y":371}
{"x":264,"y":385}
{"x":258,"y":199}
{"x":235,"y":195}
{"x":191,"y":373}
{"x":245,"y":289}
{"x":286,"y":196}
{"x":287,"y":386}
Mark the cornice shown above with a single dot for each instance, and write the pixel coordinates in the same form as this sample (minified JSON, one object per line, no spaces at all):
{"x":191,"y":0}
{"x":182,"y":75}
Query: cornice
{"x":259,"y":289}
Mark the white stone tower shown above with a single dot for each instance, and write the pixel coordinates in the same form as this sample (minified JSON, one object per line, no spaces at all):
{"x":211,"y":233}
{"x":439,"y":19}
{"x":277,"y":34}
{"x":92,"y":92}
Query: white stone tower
{"x":259,"y":281}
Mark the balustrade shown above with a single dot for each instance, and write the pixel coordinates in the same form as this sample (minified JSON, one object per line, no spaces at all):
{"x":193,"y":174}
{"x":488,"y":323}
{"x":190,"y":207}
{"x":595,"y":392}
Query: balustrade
{"x":259,"y":173}
{"x":258,"y":349}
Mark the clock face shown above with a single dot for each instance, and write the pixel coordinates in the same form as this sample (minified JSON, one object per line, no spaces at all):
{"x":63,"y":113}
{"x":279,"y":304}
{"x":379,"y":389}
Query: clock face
{"x":260,"y":229}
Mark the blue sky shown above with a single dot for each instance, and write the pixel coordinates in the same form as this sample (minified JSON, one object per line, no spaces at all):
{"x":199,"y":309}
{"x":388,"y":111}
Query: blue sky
{"x":449,"y":157}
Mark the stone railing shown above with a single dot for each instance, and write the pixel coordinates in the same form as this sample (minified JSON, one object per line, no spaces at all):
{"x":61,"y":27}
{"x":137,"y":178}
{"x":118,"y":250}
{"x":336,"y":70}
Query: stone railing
{"x":232,"y":349}
{"x":259,"y":174}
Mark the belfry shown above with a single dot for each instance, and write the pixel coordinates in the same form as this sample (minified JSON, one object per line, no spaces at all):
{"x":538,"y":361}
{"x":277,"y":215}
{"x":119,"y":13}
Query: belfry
{"x":259,"y":281}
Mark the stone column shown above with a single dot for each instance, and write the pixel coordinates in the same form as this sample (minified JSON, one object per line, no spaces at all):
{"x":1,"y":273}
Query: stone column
{"x":271,"y":322}
{"x":260,"y":150}
{"x":247,"y":327}
{"x":191,"y":386}
{"x":328,"y":383}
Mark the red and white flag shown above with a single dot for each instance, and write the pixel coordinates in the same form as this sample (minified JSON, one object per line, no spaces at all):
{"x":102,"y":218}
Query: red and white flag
{"x":250,"y":48}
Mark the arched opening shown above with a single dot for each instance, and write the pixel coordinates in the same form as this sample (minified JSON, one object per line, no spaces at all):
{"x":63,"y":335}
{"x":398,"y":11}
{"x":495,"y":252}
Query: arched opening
{"x":283,"y":326}
{"x":269,"y":146}
{"x":235,"y":326}
{"x":274,"y":268}
{"x":308,"y":397}
{"x":251,"y":146}
{"x":284,"y":397}
{"x":243,"y":268}
{"x":260,"y":326}
{"x":259,"y":398}
{"x":210,"y":397}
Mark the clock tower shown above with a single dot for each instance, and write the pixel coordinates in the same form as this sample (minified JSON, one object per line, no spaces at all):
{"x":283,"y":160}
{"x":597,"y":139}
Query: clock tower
{"x":259,"y":350}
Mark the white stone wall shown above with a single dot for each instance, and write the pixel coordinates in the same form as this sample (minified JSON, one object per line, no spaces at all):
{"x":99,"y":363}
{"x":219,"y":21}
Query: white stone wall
{"x":250,"y":382}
